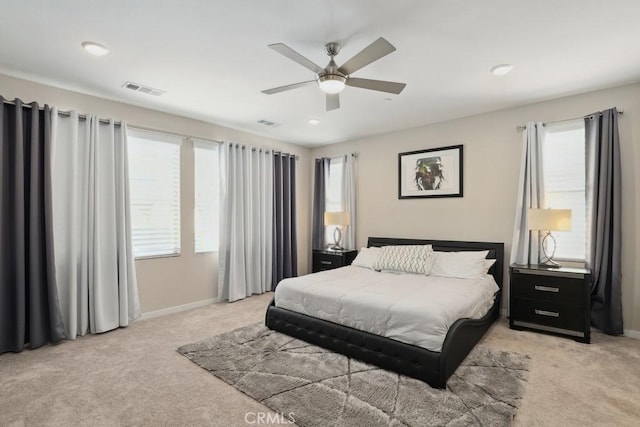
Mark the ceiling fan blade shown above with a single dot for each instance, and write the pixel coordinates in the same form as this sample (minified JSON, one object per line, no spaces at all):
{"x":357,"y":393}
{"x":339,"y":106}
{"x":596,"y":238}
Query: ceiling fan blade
{"x":295,"y":56}
{"x":379,"y":85}
{"x":366,"y":56}
{"x":287,"y":87}
{"x":333,"y":101}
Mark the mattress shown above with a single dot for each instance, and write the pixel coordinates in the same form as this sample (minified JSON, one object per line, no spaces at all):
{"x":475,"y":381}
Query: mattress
{"x":411,"y":308}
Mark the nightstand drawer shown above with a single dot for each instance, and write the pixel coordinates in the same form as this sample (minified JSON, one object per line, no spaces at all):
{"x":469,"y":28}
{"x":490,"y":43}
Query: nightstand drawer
{"x":548,"y":288}
{"x":326,"y":262}
{"x":553,"y":314}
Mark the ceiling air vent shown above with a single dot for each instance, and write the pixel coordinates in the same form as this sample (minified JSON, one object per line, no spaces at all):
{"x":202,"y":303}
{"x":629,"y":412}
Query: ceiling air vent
{"x":267,"y":123}
{"x":144,"y":89}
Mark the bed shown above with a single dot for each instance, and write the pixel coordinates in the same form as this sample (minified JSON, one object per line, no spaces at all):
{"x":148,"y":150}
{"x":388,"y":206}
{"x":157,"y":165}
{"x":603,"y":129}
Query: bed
{"x":433,"y":367}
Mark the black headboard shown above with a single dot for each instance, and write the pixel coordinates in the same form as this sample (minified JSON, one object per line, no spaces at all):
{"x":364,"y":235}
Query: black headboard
{"x":496,"y":250}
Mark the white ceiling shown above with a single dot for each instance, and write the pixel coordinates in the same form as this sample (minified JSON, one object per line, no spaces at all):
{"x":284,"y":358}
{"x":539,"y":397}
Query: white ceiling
{"x":211,"y":57}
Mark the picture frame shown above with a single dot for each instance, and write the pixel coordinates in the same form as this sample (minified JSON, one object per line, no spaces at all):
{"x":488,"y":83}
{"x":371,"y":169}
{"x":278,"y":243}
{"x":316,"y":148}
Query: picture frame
{"x":434,"y":172}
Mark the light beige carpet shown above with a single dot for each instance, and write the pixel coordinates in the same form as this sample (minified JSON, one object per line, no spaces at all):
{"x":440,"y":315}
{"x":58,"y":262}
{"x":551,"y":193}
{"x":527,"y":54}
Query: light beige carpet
{"x":134,"y":376}
{"x":318,"y":388}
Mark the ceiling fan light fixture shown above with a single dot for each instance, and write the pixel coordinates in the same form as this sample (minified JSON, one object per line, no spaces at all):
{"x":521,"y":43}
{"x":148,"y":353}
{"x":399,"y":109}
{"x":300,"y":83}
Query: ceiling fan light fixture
{"x":502,"y":69}
{"x":332,"y":83}
{"x":332,"y":79}
{"x":95,"y":49}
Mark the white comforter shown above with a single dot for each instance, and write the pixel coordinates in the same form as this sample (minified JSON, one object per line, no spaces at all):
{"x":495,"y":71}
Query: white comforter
{"x":411,"y":308}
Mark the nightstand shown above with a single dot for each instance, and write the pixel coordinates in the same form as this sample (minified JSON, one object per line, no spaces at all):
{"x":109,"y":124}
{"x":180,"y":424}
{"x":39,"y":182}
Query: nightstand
{"x":555,"y":300}
{"x":329,"y":259}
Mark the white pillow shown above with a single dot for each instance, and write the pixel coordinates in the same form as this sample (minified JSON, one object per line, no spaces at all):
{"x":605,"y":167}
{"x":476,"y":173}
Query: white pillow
{"x":407,"y":258}
{"x":463,"y":265}
{"x":488,"y":263}
{"x":367,"y":257}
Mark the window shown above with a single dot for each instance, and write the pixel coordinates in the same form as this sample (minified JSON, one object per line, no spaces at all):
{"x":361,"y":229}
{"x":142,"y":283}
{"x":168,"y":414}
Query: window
{"x":563,"y":160}
{"x":207,"y":195}
{"x":154,"y":178}
{"x":334,"y":185}
{"x":333,"y":189}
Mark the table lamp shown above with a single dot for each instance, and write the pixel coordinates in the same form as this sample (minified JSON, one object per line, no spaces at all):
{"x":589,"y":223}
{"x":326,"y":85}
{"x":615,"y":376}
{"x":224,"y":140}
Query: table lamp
{"x":549,"y":220}
{"x":338,"y":219}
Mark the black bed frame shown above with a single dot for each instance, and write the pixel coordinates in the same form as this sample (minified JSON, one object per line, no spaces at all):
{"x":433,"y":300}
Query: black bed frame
{"x":432,"y":367}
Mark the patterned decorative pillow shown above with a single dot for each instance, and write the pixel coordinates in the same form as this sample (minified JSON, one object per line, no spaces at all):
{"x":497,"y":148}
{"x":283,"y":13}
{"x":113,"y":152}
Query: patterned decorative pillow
{"x":407,"y":258}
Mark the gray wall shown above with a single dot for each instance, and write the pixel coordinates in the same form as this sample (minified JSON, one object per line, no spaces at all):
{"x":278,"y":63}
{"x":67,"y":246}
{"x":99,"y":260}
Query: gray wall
{"x":492,"y":151}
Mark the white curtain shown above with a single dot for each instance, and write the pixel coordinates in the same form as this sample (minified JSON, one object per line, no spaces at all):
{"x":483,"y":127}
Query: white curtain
{"x":95,"y":268}
{"x":246,"y":227}
{"x":349,"y":199}
{"x":525,"y":246}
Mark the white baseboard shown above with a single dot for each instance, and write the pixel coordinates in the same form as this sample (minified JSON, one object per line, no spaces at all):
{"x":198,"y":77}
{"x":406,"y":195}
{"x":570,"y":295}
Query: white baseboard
{"x":177,"y":308}
{"x":632,"y":334}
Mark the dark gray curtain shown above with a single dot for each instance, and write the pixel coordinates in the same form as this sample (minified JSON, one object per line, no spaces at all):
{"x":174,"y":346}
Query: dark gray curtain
{"x":319,"y":195}
{"x":29,"y":308}
{"x":603,"y":220}
{"x":285,"y":243}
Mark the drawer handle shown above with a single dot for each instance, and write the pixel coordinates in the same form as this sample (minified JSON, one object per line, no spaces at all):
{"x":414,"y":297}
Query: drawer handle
{"x":546,"y":288}
{"x":325,"y":262}
{"x":547,"y":313}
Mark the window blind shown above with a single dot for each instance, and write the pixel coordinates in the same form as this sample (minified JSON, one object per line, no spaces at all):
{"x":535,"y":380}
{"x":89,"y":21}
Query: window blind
{"x":207,"y":195}
{"x":333,"y":192}
{"x":154,"y":177}
{"x":564,"y":184}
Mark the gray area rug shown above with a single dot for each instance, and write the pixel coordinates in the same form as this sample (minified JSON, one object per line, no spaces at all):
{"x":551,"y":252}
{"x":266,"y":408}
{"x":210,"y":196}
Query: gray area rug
{"x":321,"y":388}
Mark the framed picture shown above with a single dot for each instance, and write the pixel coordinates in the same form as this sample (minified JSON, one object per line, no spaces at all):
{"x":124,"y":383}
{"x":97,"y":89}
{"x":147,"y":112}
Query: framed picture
{"x":436,"y":172}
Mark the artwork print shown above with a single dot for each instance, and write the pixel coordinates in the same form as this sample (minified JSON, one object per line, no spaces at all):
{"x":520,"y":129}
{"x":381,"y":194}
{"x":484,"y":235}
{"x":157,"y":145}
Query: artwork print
{"x":430,"y":173}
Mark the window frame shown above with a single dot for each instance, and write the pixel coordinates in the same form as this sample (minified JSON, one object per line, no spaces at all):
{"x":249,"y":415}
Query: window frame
{"x":565,"y":126}
{"x":338,"y":200}
{"x":167,"y":138}
{"x":204,"y":145}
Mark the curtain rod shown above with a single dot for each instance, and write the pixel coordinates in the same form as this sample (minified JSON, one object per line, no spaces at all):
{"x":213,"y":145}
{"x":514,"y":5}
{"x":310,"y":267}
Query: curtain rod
{"x":266,"y":150}
{"x":143,"y":128}
{"x":65,"y":113}
{"x":181,"y":135}
{"x":295,"y":156}
{"x":520,"y":128}
{"x":337,"y":157}
{"x":191,"y":138}
{"x":119,"y":123}
{"x":215,"y":141}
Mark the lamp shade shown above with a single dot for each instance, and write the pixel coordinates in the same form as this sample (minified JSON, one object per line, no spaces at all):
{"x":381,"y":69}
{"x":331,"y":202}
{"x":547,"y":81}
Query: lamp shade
{"x":549,"y":219}
{"x":336,"y":218}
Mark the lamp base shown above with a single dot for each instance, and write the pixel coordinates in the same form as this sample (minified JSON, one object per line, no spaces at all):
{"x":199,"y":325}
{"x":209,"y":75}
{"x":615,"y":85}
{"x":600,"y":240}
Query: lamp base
{"x":337,"y":237}
{"x":547,"y":261}
{"x":549,"y":264}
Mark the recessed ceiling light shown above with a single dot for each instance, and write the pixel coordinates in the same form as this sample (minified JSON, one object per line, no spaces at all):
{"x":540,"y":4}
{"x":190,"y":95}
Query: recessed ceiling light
{"x":95,"y":49}
{"x":501,"y":70}
{"x":313,"y":122}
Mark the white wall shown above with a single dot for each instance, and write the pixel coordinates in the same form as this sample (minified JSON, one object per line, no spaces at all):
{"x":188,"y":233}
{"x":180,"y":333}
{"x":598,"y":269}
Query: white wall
{"x":189,"y":278}
{"x":492,"y":150}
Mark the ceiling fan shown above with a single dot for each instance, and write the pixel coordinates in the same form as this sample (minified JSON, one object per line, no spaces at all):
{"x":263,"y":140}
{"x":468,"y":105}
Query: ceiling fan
{"x":332,"y":79}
